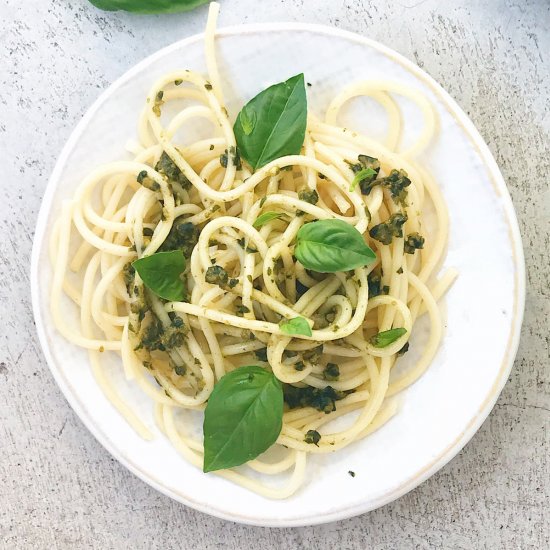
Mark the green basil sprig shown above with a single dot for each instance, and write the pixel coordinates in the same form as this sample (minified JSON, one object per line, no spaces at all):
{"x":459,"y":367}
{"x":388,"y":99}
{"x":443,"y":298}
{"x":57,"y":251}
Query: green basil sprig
{"x":298,"y":325}
{"x":387,"y":337}
{"x":243,"y":417}
{"x":273,"y":124}
{"x":161,"y":273}
{"x":148,"y":6}
{"x":266,"y":217}
{"x":328,"y":246}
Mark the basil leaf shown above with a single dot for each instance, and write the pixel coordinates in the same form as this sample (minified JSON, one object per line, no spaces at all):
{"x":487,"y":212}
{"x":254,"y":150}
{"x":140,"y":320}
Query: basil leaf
{"x":266,"y":217}
{"x":328,"y":246}
{"x":273,"y":124}
{"x":387,"y":337}
{"x":148,"y":6}
{"x":364,"y":174}
{"x":243,"y":417}
{"x":161,"y":273}
{"x":298,"y":325}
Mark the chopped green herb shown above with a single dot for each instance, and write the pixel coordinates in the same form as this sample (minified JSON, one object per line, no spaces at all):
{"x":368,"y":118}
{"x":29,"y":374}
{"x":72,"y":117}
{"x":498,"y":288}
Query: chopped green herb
{"x":216,"y":275}
{"x":177,"y":321}
{"x":240,"y":310}
{"x":320,"y":399}
{"x":141,"y":176}
{"x":331,"y":372}
{"x":396,"y":182}
{"x":158,"y":103}
{"x":232,"y":154}
{"x":182,"y":236}
{"x":147,"y":182}
{"x":180,"y":370}
{"x":224,"y":159}
{"x":392,"y":227}
{"x":167,"y":167}
{"x":128,"y":274}
{"x":413,"y":242}
{"x":309,"y":195}
{"x":313,"y":355}
{"x":156,"y":337}
{"x":312,"y":437}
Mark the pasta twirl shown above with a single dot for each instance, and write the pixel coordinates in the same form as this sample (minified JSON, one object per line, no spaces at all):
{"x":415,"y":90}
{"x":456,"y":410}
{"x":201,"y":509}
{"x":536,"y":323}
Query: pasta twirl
{"x":243,"y":279}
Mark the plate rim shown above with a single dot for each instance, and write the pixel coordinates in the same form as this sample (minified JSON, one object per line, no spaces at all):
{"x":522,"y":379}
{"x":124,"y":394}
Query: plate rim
{"x":500,"y":189}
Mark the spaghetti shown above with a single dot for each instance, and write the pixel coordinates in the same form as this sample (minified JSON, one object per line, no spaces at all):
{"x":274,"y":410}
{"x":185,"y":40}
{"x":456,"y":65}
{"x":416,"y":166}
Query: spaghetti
{"x":186,"y":198}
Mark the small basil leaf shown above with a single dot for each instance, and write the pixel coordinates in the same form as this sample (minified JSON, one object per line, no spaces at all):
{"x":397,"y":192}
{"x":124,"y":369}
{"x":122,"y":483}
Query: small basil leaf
{"x":364,"y":174}
{"x":161,"y":273}
{"x":148,"y":6}
{"x":387,"y":337}
{"x":328,"y":246}
{"x":298,"y":325}
{"x":243,"y":417}
{"x":273,"y":124}
{"x":266,"y":217}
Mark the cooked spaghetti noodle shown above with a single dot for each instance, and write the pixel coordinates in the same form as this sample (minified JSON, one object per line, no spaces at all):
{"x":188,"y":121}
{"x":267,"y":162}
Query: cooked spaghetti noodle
{"x":185,"y":197}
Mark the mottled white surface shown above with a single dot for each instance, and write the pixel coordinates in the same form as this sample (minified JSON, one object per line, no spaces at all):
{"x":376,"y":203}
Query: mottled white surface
{"x":60,"y":489}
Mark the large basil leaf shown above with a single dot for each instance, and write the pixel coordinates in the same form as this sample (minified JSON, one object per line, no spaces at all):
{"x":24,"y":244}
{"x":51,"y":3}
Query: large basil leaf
{"x":329,"y":246}
{"x":243,"y":417}
{"x":161,"y":272}
{"x":148,"y":6}
{"x":273,"y":124}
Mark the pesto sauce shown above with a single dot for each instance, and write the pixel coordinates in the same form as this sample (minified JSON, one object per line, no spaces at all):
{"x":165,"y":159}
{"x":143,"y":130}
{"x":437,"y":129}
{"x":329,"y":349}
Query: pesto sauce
{"x":320,"y":399}
{"x":216,"y":275}
{"x":392,"y":227}
{"x":169,"y":169}
{"x":413,"y":242}
{"x":312,"y":437}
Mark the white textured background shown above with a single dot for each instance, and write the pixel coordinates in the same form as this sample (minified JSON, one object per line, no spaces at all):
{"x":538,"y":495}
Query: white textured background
{"x":60,"y":489}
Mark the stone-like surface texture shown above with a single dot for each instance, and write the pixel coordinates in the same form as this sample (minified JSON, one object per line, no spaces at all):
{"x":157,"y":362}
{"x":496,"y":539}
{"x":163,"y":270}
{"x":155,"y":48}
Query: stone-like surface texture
{"x":59,"y":488}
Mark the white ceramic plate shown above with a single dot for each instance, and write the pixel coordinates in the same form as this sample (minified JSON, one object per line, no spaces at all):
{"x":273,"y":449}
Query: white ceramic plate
{"x":483,"y":310}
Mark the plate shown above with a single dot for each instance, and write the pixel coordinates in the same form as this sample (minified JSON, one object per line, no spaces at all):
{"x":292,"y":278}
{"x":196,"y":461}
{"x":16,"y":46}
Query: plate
{"x":483,"y":310}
